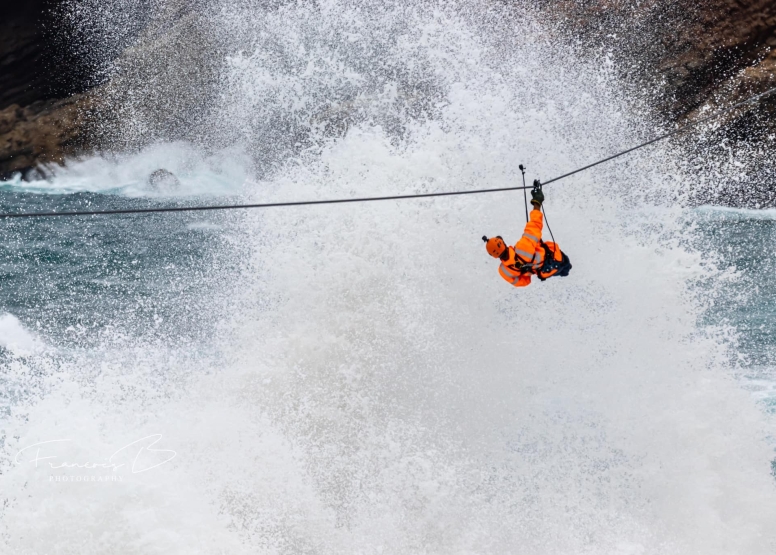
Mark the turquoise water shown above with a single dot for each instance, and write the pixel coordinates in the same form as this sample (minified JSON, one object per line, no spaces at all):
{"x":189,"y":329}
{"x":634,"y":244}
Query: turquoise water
{"x":72,"y":278}
{"x":743,"y":242}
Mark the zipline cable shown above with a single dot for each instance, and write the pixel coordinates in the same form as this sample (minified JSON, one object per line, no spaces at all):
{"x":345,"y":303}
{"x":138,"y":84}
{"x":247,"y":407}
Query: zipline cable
{"x":240,"y":206}
{"x":525,"y":199}
{"x":715,"y":115}
{"x":547,"y":223}
{"x":374,"y":199}
{"x":525,"y":193}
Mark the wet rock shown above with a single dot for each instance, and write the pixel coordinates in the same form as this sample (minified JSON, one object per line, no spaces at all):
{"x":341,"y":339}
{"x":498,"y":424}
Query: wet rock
{"x":37,"y":61}
{"x":45,"y":132}
{"x":44,"y":100}
{"x":164,"y":181}
{"x":694,"y":53}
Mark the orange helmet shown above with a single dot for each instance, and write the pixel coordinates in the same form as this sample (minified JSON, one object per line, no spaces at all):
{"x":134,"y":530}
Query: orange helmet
{"x":495,"y":246}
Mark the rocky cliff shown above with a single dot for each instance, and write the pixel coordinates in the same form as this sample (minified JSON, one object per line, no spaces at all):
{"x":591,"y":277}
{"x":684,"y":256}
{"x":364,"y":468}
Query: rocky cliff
{"x":725,"y":50}
{"x":695,"y":52}
{"x":42,"y":108}
{"x":46,"y":87}
{"x":700,"y":54}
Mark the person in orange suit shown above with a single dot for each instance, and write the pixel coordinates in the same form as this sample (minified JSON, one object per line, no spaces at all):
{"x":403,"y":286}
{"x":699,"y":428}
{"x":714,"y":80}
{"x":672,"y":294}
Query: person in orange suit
{"x":530,"y":256}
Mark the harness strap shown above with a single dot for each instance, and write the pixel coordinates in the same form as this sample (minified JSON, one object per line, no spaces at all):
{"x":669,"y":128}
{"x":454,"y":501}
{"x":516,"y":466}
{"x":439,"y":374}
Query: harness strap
{"x":550,"y":263}
{"x":528,"y":267}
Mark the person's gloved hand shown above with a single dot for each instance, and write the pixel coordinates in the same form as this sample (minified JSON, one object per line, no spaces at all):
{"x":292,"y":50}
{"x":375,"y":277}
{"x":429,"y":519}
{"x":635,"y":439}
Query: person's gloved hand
{"x":537,"y":197}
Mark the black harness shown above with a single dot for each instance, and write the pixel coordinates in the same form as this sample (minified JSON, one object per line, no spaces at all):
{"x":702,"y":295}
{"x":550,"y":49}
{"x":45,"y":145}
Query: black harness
{"x":527,"y":267}
{"x":550,"y":264}
{"x":563,"y":266}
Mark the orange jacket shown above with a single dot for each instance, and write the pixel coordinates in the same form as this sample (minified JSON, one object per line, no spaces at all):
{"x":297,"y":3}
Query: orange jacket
{"x":527,"y":256}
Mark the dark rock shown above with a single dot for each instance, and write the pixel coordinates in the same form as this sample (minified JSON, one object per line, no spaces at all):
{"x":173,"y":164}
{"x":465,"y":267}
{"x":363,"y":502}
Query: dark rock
{"x":46,"y":82}
{"x":44,"y":132}
{"x":695,"y":54}
{"x":717,"y":51}
{"x":685,"y":59}
{"x":164,"y":181}
{"x":37,"y":61}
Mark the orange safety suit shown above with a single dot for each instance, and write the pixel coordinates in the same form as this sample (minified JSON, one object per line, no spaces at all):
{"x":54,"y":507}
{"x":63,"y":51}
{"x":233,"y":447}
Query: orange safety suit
{"x":528,"y":255}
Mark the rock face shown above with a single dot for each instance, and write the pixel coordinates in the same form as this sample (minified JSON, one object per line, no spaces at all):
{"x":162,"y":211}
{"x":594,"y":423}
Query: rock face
{"x":43,"y":112}
{"x":28,"y":51}
{"x":42,"y":133}
{"x":164,"y":181}
{"x":724,"y":55}
{"x":687,"y":58}
{"x":693,"y":51}
{"x":699,"y":53}
{"x":728,"y":49}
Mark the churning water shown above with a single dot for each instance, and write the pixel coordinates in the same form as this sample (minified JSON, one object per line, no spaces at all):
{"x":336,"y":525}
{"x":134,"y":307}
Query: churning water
{"x":357,"y":378}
